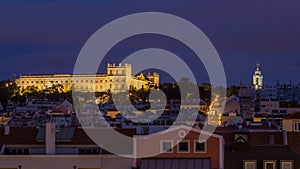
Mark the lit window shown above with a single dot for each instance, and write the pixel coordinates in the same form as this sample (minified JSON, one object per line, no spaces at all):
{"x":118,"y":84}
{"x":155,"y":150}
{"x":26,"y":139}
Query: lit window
{"x":270,"y":164}
{"x":200,"y":146}
{"x":286,"y":164}
{"x":249,"y":164}
{"x":183,"y":146}
{"x":297,"y":126}
{"x":166,"y":146}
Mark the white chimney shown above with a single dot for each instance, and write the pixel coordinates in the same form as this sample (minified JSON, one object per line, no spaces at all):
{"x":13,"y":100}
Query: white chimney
{"x":6,"y":130}
{"x":50,"y":138}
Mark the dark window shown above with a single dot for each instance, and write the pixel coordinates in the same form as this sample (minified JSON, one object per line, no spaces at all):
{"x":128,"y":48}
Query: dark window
{"x":199,"y":146}
{"x":81,"y":151}
{"x":7,"y":151}
{"x":13,"y":151}
{"x":183,"y":146}
{"x":26,"y":151}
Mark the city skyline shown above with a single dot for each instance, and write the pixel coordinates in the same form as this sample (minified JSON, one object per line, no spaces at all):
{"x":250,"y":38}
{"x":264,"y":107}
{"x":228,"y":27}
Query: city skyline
{"x":241,"y":37}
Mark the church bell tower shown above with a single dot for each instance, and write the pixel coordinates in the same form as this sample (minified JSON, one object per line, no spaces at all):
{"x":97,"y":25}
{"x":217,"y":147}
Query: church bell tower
{"x":258,"y":78}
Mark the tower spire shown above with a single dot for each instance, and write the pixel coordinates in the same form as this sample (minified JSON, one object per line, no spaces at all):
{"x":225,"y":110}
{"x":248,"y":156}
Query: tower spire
{"x":258,"y":78}
{"x":257,"y":66}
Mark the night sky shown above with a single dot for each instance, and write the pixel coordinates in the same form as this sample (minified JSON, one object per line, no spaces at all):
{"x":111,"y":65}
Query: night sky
{"x":43,"y":36}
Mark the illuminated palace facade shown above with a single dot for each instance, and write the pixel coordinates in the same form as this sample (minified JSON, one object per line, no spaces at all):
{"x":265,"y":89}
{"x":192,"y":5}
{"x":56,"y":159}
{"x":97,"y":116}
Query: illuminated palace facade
{"x":116,"y":79}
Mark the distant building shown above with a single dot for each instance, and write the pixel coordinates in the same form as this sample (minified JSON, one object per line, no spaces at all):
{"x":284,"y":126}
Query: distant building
{"x":116,"y":79}
{"x":247,"y":107}
{"x":232,"y":104}
{"x":269,"y":106}
{"x":269,"y":92}
{"x":288,"y":92}
{"x":231,"y":118}
{"x":289,"y":107}
{"x":247,"y":91}
{"x":258,"y":78}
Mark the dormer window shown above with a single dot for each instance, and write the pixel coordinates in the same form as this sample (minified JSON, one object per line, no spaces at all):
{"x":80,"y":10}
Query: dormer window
{"x":183,"y":146}
{"x":166,"y":146}
{"x":200,"y":146}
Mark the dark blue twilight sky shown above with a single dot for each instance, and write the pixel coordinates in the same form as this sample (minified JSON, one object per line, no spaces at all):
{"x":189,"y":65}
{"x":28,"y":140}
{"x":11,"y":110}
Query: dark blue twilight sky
{"x":43,"y":36}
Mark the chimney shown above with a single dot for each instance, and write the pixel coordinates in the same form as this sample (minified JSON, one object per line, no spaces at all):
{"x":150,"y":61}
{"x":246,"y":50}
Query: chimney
{"x":6,"y":130}
{"x":50,"y":138}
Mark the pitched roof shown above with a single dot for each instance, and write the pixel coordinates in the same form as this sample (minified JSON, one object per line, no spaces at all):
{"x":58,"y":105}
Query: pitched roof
{"x":28,"y":136}
{"x":295,"y":115}
{"x":234,"y":156}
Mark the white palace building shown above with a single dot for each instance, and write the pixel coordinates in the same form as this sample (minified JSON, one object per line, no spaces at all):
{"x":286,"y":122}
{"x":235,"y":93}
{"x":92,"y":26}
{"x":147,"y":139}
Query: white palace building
{"x":116,"y":79}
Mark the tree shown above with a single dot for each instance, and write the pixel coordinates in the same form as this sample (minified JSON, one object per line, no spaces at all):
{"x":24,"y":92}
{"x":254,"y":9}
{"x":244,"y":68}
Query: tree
{"x":233,"y":90}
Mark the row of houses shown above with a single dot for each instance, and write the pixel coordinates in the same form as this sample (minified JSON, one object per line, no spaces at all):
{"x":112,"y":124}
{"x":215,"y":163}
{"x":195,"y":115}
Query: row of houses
{"x":247,"y":146}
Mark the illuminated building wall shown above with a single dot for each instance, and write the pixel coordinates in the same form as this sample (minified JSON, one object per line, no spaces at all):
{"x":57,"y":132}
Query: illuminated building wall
{"x":258,"y":78}
{"x":116,"y":79}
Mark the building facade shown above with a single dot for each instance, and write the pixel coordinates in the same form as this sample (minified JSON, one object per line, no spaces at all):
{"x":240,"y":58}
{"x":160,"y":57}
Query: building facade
{"x":118,"y":78}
